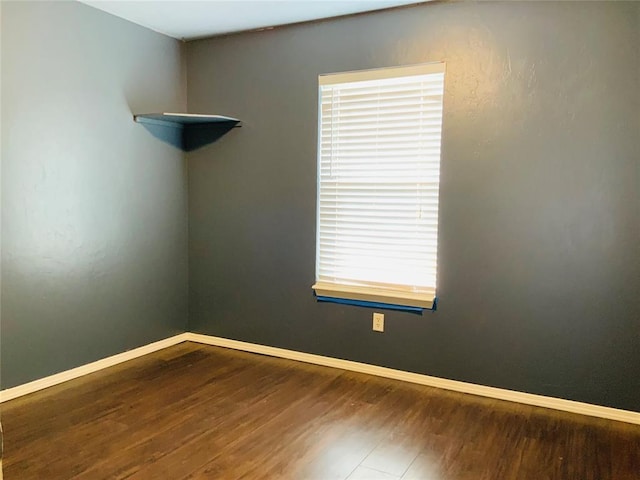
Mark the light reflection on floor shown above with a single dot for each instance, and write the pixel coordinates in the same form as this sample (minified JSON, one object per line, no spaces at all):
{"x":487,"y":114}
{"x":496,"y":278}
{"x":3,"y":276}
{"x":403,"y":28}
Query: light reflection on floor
{"x":360,"y":455}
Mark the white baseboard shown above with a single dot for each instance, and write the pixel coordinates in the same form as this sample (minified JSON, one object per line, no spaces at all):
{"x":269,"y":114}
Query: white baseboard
{"x":46,"y":382}
{"x":463,"y":387}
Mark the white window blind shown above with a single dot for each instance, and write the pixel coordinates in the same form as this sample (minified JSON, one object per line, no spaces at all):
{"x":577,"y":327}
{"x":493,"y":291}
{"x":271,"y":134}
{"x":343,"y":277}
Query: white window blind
{"x":378,"y":179}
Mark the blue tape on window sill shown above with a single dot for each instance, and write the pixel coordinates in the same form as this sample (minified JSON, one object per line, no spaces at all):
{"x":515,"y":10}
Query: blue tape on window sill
{"x":388,"y":306}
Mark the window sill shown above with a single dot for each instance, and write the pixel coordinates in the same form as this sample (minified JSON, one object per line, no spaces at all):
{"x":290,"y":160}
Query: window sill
{"x":375,"y":297}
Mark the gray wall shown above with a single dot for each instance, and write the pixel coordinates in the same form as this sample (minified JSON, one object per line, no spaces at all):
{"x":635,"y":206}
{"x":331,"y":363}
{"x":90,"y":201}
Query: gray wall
{"x":539,"y":268}
{"x":94,"y":208}
{"x":0,"y":220}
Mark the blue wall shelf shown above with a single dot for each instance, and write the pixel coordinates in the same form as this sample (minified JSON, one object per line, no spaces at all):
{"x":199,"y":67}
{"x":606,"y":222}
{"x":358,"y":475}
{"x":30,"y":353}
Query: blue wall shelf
{"x":189,"y":130}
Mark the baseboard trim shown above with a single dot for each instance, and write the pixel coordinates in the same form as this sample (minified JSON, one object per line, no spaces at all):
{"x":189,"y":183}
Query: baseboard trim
{"x":454,"y":385}
{"x":457,"y":386}
{"x":46,"y":382}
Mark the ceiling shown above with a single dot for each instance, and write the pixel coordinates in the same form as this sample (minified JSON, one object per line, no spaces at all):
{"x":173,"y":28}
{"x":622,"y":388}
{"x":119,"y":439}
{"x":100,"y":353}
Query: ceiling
{"x":191,"y":19}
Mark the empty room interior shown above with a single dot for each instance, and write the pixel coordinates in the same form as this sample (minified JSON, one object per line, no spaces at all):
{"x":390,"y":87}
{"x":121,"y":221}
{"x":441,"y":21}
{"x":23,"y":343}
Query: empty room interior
{"x":349,"y":240}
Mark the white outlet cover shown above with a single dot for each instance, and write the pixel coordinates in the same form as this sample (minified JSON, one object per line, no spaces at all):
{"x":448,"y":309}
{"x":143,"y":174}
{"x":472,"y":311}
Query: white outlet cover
{"x":378,"y":322}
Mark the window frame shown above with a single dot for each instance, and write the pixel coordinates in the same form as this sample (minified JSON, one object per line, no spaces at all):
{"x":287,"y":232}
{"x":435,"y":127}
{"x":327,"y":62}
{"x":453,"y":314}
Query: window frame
{"x":392,"y":295}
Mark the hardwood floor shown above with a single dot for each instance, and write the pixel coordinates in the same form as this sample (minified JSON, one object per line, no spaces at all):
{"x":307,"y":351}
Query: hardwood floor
{"x":200,"y":412}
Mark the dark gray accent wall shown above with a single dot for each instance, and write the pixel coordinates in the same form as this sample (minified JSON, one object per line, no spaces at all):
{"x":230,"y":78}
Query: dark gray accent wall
{"x":1,"y":438}
{"x":94,"y":207}
{"x":539,"y":245}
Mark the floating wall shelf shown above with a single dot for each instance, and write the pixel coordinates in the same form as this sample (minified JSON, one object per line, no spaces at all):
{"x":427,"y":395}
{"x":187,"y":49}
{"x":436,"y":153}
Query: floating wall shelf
{"x":191,"y":130}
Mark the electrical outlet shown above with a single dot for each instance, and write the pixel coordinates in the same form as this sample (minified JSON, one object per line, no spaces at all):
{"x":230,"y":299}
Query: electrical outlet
{"x":378,"y":322}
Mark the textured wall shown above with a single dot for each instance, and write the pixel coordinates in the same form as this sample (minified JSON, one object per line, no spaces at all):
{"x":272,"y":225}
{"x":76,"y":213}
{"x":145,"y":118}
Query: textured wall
{"x":94,"y":228}
{"x":539,"y":268}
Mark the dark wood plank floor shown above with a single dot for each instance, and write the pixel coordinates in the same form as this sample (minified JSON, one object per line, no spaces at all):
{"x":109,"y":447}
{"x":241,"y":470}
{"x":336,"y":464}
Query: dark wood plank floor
{"x":201,"y":412}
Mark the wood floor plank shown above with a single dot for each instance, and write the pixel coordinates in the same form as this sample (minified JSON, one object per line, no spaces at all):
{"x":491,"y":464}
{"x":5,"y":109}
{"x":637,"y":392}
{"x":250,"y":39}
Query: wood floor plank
{"x":200,"y":412}
{"x":215,"y":406}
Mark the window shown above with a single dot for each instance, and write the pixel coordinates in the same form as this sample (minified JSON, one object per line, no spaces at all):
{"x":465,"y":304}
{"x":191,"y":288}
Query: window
{"x":379,"y":135}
